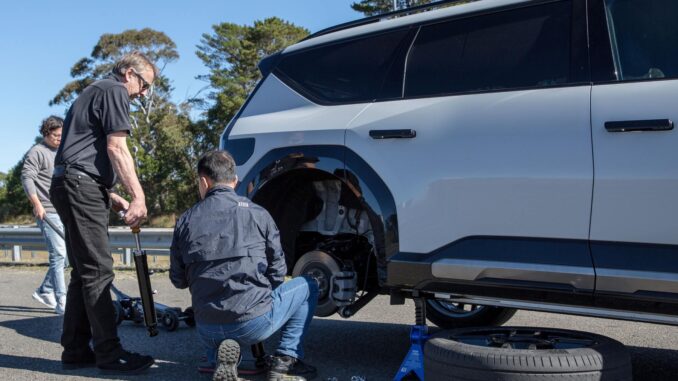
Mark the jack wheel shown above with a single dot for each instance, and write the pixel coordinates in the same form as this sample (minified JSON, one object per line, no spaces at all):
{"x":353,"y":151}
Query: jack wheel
{"x":170,"y":320}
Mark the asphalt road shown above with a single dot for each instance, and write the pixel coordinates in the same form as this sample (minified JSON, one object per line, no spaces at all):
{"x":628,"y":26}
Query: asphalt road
{"x":371,"y":344}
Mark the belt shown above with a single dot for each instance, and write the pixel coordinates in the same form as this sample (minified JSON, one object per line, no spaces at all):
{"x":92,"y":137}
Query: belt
{"x":61,"y":170}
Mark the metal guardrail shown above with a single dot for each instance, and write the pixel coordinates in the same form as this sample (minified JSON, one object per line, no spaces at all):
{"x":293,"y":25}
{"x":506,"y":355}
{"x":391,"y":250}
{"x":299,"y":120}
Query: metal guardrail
{"x":157,"y":240}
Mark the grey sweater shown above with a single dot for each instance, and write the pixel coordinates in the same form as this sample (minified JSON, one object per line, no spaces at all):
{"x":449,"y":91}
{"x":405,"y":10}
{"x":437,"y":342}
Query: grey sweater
{"x":36,"y":174}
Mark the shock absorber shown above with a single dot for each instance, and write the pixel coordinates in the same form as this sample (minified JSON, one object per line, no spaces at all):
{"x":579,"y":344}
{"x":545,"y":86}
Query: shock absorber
{"x":145,"y":290}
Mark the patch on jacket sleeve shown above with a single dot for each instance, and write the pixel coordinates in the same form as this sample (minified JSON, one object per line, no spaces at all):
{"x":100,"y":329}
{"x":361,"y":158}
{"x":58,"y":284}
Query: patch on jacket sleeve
{"x":262,"y":267}
{"x":243,"y":204}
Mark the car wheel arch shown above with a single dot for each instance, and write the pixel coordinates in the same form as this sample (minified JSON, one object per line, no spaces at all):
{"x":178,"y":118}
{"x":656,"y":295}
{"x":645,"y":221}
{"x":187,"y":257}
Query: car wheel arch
{"x":279,"y":168}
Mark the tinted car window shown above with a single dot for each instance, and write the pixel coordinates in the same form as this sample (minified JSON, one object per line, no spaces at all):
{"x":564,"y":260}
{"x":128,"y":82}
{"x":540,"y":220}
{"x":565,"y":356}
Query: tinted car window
{"x":353,"y":71}
{"x":644,"y":38}
{"x":528,"y":47}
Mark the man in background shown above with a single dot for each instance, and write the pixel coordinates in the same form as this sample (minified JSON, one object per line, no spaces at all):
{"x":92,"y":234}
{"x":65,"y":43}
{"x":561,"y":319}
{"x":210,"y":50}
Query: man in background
{"x":36,"y":177}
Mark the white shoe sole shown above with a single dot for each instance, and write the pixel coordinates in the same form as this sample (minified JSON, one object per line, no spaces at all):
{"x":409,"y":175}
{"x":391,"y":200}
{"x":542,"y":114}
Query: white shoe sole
{"x":43,"y":300}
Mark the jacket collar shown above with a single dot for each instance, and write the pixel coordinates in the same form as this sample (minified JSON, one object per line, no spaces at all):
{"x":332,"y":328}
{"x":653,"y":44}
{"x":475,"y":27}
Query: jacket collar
{"x":219,"y":188}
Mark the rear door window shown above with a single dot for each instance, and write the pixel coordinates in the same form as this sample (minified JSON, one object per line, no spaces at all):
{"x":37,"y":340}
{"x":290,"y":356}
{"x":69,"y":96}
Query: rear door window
{"x":521,"y":48}
{"x":644,"y":38}
{"x":354,"y":71}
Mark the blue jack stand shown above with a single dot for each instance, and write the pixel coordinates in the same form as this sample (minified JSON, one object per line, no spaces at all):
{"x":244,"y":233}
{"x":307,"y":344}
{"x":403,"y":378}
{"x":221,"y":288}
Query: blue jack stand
{"x":414,"y":361}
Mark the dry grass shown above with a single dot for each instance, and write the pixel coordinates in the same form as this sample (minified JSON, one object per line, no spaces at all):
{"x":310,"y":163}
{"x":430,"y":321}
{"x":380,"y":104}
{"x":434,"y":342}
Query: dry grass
{"x":164,"y":221}
{"x":24,"y":219}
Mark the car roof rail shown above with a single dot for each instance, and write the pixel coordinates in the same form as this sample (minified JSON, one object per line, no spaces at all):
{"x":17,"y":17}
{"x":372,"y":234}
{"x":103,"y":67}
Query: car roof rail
{"x":380,"y":17}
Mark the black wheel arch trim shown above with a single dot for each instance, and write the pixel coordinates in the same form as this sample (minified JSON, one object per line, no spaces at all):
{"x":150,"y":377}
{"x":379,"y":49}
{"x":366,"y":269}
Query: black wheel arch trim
{"x":345,"y":164}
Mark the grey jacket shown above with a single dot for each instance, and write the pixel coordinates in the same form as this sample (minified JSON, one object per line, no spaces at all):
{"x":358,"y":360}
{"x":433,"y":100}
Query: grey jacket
{"x":227,"y":250}
{"x":36,"y":174}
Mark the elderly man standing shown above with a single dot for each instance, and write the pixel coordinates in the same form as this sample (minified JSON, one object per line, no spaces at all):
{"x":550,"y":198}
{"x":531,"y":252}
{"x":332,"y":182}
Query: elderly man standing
{"x":36,"y":177}
{"x":92,"y":155}
{"x":227,"y":250}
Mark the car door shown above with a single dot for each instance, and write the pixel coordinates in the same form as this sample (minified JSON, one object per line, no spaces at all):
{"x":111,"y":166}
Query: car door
{"x":634,"y":223}
{"x":488,"y":154}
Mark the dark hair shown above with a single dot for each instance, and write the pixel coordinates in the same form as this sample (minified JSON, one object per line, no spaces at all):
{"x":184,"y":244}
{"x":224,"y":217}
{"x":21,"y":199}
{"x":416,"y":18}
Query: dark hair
{"x":50,"y":124}
{"x":219,"y":166}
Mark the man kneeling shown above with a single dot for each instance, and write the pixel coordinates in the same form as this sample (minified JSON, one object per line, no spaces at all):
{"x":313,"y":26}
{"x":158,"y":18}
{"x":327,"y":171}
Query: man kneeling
{"x":227,"y":250}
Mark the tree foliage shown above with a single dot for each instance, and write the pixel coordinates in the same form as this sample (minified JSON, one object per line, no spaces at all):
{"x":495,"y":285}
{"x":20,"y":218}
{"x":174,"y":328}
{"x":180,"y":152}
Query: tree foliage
{"x":13,"y":201}
{"x":377,"y":7}
{"x":231,"y":53}
{"x":110,"y":48}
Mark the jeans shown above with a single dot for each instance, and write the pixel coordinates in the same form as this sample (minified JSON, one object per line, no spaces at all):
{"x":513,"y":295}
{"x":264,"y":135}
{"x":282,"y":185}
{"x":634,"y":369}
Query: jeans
{"x":293,"y":306}
{"x":84,"y":206}
{"x":54,"y":279}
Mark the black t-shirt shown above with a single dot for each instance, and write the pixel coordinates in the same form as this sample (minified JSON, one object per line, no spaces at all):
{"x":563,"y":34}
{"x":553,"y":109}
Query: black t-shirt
{"x":102,"y":108}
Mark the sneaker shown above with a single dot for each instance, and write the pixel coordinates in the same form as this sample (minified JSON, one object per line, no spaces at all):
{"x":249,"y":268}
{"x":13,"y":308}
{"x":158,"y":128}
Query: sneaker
{"x":46,"y":298}
{"x":127,"y":363}
{"x":228,"y":357}
{"x":60,"y":308}
{"x":88,"y":360}
{"x":287,"y":368}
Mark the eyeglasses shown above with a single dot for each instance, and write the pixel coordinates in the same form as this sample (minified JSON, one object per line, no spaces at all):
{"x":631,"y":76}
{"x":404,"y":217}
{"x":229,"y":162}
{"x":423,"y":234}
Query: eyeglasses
{"x":144,"y":84}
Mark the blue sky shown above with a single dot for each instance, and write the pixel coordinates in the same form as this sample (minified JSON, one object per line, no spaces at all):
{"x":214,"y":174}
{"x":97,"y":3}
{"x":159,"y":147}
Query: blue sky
{"x":41,"y":40}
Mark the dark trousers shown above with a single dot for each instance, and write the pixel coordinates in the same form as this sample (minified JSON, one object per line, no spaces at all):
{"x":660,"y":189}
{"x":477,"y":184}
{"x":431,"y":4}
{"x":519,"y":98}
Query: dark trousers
{"x":83,"y":206}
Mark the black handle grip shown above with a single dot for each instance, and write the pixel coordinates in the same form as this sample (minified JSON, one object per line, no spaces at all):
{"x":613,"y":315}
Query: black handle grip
{"x":393,"y":134}
{"x":639,"y":125}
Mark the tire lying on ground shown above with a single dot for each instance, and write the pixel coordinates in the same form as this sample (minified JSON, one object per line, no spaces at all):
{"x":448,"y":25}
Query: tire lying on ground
{"x":524,"y":353}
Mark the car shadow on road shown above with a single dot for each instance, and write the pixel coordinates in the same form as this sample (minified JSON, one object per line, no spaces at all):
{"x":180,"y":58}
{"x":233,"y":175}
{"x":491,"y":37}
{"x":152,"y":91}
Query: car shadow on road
{"x":653,"y":363}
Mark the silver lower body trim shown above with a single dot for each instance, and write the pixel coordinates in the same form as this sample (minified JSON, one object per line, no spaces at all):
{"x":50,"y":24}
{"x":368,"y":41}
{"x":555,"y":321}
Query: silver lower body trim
{"x":631,"y":281}
{"x":581,"y":278}
{"x":571,"y":310}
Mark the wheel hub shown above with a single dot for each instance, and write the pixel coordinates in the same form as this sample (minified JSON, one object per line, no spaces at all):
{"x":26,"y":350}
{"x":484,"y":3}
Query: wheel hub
{"x":323,"y":281}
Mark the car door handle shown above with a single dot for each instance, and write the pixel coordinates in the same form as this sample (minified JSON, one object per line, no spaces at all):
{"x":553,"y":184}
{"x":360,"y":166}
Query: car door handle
{"x":393,"y":134}
{"x":639,"y":125}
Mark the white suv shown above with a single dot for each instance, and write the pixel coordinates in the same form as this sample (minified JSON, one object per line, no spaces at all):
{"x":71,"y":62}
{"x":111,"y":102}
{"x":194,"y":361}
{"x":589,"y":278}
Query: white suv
{"x":491,"y":155}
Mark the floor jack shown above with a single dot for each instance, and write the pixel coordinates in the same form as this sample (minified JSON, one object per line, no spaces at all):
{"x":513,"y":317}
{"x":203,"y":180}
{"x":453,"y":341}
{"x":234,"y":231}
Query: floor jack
{"x":413,"y":365}
{"x":131,"y":308}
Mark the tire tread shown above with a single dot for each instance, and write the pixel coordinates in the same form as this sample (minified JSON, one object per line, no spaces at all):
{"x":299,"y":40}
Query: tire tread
{"x":446,"y":359}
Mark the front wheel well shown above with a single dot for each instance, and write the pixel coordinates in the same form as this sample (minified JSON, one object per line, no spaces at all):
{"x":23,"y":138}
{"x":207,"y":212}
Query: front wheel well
{"x":316,"y":210}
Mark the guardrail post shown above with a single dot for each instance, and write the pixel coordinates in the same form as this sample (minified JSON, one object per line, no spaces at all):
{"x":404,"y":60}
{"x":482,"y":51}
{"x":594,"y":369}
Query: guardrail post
{"x":16,"y":253}
{"x":127,"y":260}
